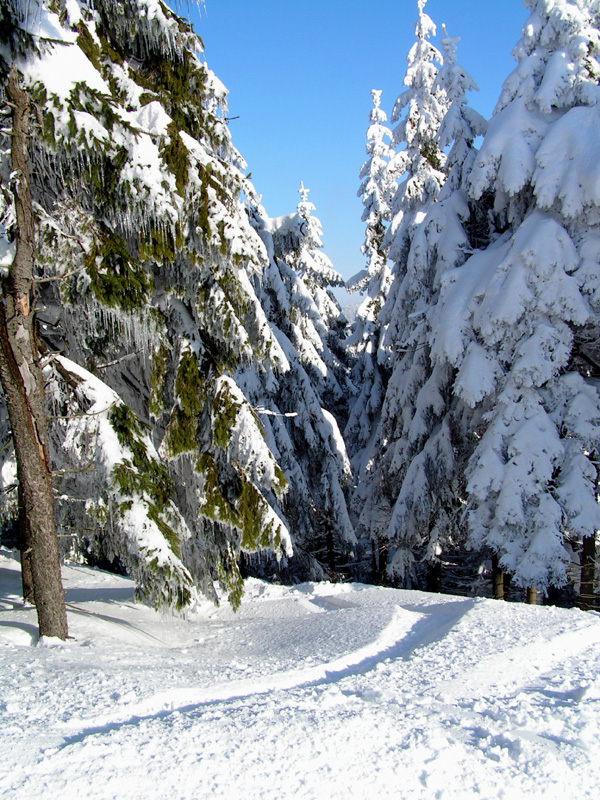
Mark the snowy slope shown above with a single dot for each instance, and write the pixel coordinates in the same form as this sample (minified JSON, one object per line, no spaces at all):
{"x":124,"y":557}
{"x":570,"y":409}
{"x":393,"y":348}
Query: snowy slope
{"x":316,"y":691}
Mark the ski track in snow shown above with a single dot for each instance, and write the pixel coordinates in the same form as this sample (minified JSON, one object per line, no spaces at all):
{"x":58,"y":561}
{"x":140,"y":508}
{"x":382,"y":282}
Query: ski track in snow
{"x":313,"y":691}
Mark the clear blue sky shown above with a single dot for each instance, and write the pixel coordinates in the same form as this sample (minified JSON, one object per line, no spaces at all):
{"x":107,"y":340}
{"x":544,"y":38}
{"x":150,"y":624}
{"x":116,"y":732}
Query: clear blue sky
{"x":300,"y":75}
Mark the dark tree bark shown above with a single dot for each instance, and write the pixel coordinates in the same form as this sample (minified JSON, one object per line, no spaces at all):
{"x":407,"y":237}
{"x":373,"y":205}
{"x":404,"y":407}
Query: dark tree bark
{"x":434,"y":576}
{"x":531,"y":596}
{"x":507,"y":586}
{"x":26,"y":574}
{"x":497,"y":579}
{"x":324,"y":521}
{"x":21,"y":378}
{"x":587,"y":600}
{"x":379,"y":553}
{"x":330,"y":548}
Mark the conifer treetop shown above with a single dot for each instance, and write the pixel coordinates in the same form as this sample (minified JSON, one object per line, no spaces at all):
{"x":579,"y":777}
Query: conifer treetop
{"x":461,"y":124}
{"x":305,"y":206}
{"x":376,"y":185}
{"x":454,"y":79}
{"x":311,"y":227}
{"x":421,"y":70}
{"x":419,"y":164}
{"x":376,"y":191}
{"x":557,"y":69}
{"x":377,"y":114}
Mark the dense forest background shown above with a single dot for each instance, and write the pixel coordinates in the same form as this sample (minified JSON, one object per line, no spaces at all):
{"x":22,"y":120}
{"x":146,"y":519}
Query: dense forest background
{"x":199,"y":408}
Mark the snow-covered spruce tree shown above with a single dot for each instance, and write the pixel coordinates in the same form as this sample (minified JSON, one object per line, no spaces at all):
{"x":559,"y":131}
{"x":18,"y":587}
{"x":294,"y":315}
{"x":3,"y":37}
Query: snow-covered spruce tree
{"x":376,"y":189}
{"x":145,"y":255}
{"x":418,"y":166}
{"x":320,"y":319}
{"x":414,"y":483}
{"x":519,"y":321}
{"x":301,"y":401}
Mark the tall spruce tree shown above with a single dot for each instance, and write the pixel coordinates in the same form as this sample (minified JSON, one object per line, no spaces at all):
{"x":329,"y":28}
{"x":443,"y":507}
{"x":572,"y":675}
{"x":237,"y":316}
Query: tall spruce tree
{"x":519,"y":320}
{"x":418,"y":166}
{"x":320,"y":317}
{"x":414,"y":482}
{"x":144,"y":262}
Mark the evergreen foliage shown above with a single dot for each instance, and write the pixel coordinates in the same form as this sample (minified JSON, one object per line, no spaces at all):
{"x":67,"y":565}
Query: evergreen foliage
{"x":138,"y":194}
{"x":199,"y":368}
{"x":157,"y":283}
{"x":511,"y":319}
{"x":490,"y":324}
{"x":418,"y":165}
{"x":413,"y":485}
{"x":376,"y":190}
{"x":410,"y":185}
{"x":302,"y":403}
{"x":526,"y":298}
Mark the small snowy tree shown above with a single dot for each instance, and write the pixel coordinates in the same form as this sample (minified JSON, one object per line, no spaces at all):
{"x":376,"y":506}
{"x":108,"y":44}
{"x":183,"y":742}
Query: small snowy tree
{"x":301,"y":398}
{"x":375,"y":190}
{"x":316,"y":313}
{"x":374,"y":281}
{"x":516,"y":319}
{"x":461,"y":124}
{"x":312,"y":264}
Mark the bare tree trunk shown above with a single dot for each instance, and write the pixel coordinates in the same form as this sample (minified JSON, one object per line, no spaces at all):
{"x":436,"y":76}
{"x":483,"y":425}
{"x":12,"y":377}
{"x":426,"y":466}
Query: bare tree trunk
{"x":380,"y":554}
{"x":330,"y":548}
{"x":507,"y":585}
{"x":22,"y":382}
{"x":587,"y":600}
{"x":531,"y":596}
{"x":497,"y":578}
{"x":26,"y":574}
{"x":434,"y":576}
{"x":374,"y":559}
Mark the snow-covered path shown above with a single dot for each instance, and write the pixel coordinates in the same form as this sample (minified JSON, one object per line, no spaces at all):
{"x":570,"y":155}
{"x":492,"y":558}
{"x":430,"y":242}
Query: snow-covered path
{"x":316,"y":691}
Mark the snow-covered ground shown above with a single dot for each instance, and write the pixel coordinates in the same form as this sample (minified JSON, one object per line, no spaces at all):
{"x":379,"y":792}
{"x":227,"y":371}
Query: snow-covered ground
{"x":316,"y":691}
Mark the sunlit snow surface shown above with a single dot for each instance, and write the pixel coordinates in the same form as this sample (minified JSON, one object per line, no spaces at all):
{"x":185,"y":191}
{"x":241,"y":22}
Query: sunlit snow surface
{"x":316,"y":691}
